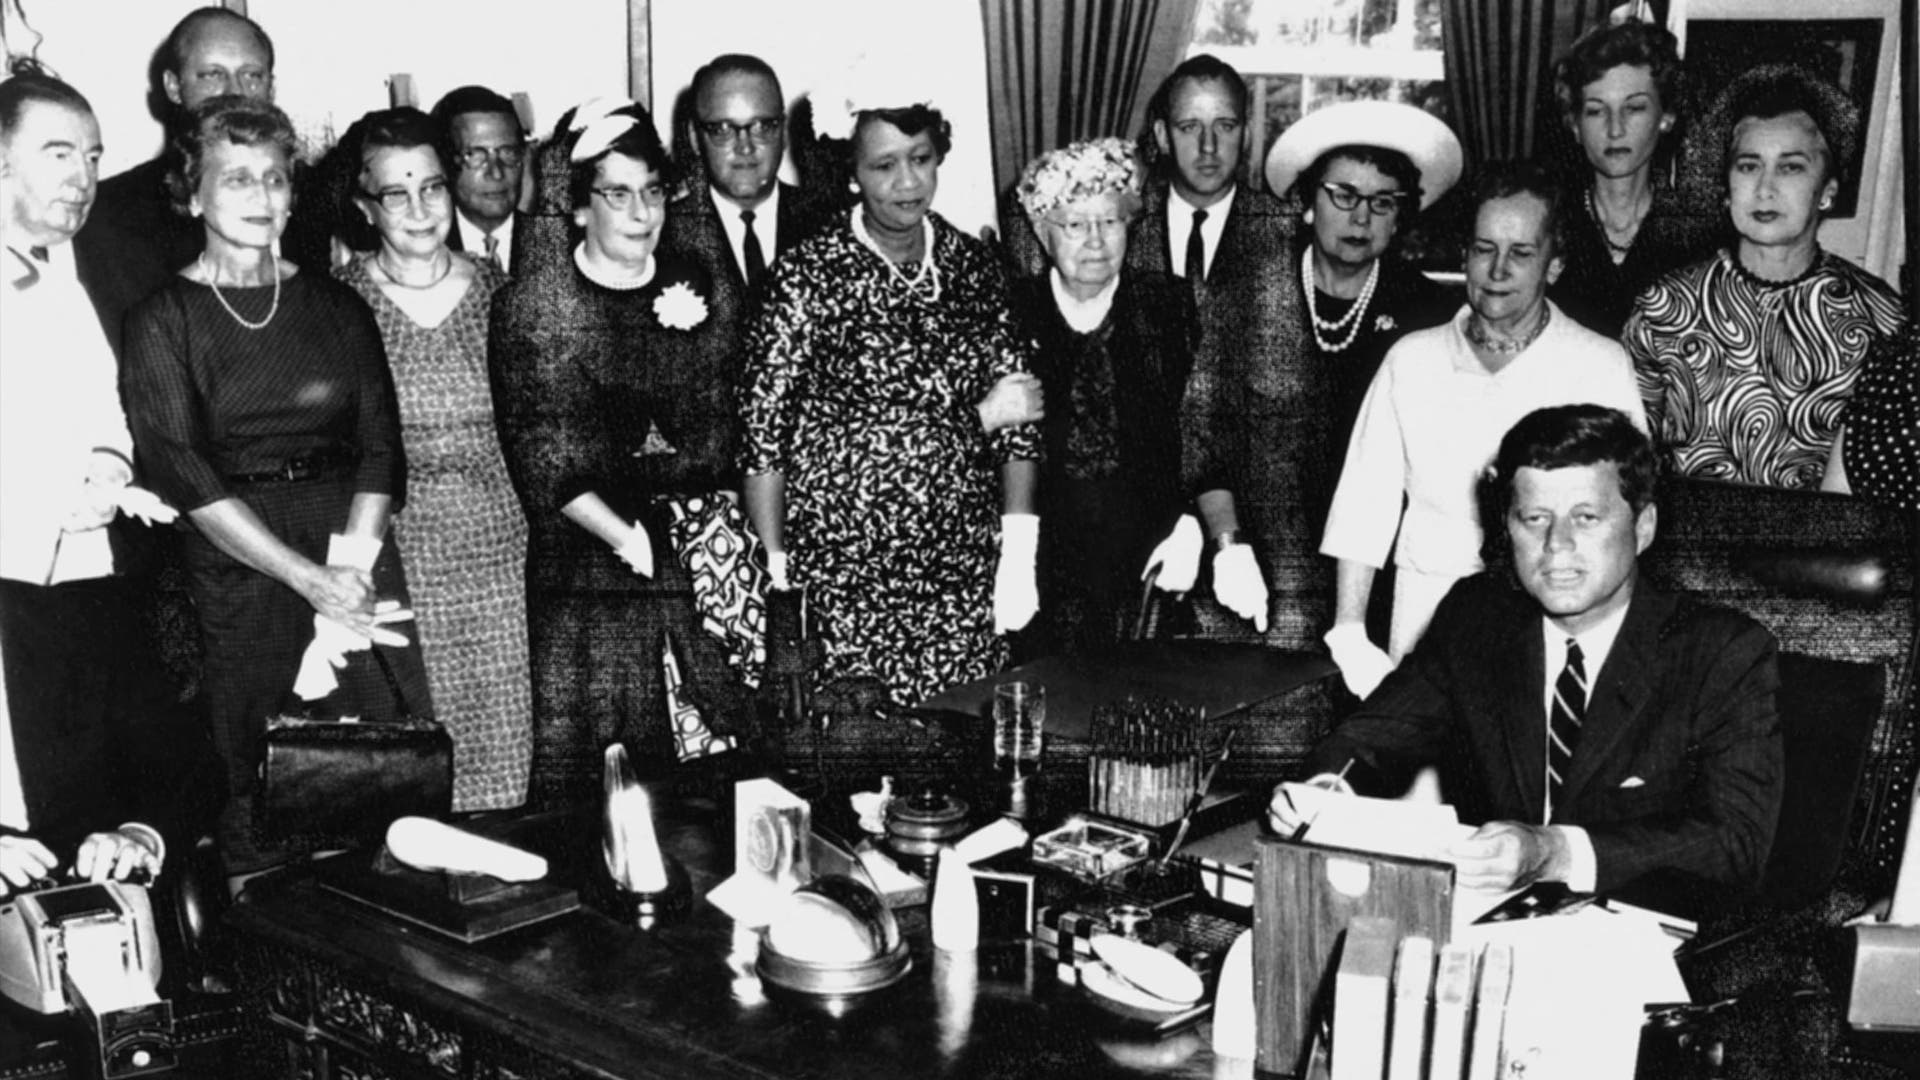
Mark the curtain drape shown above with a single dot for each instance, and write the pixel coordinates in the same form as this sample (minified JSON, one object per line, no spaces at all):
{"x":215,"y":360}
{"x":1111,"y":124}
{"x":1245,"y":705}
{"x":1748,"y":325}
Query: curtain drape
{"x":1060,"y":70}
{"x":1499,"y":58}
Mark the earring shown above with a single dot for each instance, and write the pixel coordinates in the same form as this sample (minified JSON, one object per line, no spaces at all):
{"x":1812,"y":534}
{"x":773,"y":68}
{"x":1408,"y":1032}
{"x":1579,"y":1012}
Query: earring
{"x":1308,"y":216}
{"x":1826,"y":203}
{"x":853,"y":187}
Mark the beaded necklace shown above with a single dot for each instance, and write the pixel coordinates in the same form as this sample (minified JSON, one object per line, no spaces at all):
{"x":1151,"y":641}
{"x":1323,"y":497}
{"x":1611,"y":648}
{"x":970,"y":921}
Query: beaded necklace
{"x":925,"y":282}
{"x":445,"y":257}
{"x":1477,"y":335}
{"x":1350,"y":322}
{"x":213,"y":282}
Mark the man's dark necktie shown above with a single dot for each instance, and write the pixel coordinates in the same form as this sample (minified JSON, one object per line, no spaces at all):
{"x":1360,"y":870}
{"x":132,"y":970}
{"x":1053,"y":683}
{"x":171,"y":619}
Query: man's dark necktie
{"x":750,"y":253}
{"x":492,"y":254}
{"x":1563,"y":726}
{"x":1197,"y":251}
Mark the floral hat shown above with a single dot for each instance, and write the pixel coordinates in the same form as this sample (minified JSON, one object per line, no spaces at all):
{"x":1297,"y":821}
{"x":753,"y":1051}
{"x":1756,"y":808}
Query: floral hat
{"x":1083,"y":170}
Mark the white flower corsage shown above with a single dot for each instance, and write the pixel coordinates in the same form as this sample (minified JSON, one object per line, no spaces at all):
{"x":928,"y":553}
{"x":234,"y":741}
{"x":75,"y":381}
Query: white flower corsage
{"x":678,"y":307}
{"x":1384,"y":323}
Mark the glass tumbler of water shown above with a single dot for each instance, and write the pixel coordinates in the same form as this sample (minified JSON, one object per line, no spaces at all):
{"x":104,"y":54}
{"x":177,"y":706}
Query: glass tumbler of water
{"x":1019,"y":722}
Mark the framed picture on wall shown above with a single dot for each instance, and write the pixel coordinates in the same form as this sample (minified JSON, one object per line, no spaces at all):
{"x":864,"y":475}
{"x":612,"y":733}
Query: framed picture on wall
{"x":1845,"y":52}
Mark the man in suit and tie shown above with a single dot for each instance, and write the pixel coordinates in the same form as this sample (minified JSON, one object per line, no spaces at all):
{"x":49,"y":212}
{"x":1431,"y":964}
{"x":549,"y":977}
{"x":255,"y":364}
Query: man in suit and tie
{"x":739,"y":213}
{"x":1600,"y":732}
{"x":487,"y":149}
{"x":90,"y":735}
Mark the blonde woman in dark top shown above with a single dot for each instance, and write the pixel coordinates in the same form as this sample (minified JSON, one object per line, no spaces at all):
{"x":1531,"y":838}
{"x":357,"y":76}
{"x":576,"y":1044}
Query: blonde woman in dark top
{"x":262,"y":408}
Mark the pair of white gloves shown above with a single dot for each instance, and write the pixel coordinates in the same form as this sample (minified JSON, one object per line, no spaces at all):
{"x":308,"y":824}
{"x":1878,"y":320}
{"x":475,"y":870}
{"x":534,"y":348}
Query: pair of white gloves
{"x":1237,"y":583}
{"x":332,"y":639}
{"x":108,"y":490}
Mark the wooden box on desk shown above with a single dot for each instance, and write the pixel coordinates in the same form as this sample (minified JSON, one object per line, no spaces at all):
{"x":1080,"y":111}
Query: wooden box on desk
{"x":1304,"y":895}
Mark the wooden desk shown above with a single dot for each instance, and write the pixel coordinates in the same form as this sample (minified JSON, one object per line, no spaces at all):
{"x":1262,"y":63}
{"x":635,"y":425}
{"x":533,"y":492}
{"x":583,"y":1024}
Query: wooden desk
{"x":347,"y":992}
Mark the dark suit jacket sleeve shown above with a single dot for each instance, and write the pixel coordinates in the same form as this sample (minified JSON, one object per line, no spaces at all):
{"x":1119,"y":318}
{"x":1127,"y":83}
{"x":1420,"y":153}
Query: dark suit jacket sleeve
{"x":1724,"y":830}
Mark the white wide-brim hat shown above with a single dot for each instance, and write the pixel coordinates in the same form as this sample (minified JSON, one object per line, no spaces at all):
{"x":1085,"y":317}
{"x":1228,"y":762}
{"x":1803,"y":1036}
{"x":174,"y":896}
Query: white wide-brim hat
{"x":1426,"y":140}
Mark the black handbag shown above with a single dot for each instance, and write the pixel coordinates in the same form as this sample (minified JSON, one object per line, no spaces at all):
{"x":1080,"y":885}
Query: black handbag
{"x":340,"y":783}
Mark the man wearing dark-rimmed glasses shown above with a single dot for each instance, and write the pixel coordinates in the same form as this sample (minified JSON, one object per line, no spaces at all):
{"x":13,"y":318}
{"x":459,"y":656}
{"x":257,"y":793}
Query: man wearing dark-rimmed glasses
{"x":486,"y":150}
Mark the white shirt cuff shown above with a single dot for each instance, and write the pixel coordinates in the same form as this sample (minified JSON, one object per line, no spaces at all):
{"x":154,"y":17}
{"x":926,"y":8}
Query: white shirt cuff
{"x":1582,"y":870}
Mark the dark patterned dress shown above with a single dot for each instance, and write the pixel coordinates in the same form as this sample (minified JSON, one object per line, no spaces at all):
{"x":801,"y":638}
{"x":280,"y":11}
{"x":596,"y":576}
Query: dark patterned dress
{"x":464,"y":539}
{"x":1882,"y":452}
{"x":1746,"y":379}
{"x":862,"y":394}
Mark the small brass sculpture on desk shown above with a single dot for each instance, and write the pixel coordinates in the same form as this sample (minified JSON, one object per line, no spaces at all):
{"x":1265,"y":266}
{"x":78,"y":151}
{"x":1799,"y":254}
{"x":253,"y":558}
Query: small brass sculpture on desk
{"x":646,"y":886}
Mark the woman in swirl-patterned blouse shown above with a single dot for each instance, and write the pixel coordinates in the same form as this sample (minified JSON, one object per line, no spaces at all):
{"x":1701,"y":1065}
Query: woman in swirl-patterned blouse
{"x":1746,"y":360}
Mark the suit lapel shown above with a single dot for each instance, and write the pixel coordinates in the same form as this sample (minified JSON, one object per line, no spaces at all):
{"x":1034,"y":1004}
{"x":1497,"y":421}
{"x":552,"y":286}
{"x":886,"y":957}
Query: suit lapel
{"x":1518,"y":697}
{"x":1622,"y":689}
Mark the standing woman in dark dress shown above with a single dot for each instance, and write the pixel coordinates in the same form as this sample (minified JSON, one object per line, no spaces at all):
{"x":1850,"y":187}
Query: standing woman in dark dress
{"x":1362,"y":170}
{"x":1115,"y":347}
{"x":1620,"y":90}
{"x":261,"y":406}
{"x":613,"y":388}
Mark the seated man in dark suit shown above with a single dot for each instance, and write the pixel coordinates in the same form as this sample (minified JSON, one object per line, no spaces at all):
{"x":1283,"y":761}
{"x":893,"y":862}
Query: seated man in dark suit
{"x":1601,"y":733}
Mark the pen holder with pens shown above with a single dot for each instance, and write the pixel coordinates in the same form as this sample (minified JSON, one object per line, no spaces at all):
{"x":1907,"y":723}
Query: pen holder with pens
{"x":1146,"y":759}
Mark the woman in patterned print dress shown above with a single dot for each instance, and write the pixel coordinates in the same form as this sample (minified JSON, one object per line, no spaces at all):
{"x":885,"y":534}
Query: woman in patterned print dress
{"x":868,"y":476}
{"x":1746,"y":360}
{"x":463,"y":534}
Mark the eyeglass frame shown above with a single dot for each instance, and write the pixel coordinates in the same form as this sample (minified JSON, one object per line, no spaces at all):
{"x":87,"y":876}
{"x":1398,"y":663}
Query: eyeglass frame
{"x":433,"y":191}
{"x":1080,"y":230}
{"x":759,"y":131}
{"x":509,"y":156}
{"x":1380,"y":202}
{"x":620,"y":199}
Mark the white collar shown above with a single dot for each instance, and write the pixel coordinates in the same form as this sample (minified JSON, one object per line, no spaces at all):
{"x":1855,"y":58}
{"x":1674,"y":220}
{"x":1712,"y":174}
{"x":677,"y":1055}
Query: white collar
{"x":1083,"y":316}
{"x":1596,"y":643}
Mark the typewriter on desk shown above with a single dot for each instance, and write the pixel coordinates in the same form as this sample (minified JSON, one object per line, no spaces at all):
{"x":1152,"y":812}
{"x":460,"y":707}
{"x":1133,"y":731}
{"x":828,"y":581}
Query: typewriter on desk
{"x":90,"y":951}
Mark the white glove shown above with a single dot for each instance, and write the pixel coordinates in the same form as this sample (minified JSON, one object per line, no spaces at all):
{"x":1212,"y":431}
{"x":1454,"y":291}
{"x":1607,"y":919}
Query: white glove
{"x":1238,"y":586}
{"x":1362,"y":663}
{"x":99,"y":500}
{"x":333,"y":640}
{"x":1016,"y":596}
{"x":138,"y":502}
{"x":637,"y":552}
{"x":1178,"y":557}
{"x":777,"y":571}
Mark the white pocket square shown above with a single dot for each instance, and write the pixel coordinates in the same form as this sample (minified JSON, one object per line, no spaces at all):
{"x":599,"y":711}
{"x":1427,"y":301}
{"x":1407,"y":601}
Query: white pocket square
{"x":1633,"y":782}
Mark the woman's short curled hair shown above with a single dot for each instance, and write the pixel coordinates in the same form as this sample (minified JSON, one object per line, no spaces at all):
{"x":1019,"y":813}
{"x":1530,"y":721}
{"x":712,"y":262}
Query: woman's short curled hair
{"x":1629,"y":44}
{"x":1773,"y":90}
{"x":1082,"y":170}
{"x":1505,"y":179}
{"x":638,"y":141}
{"x":228,"y":118}
{"x":911,"y":120}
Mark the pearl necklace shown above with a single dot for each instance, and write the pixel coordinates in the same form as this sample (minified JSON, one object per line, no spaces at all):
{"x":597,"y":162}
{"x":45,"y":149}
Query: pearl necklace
{"x":1476,"y":332}
{"x":213,"y":282}
{"x":446,"y":268}
{"x":926,"y":281}
{"x":1350,"y":322}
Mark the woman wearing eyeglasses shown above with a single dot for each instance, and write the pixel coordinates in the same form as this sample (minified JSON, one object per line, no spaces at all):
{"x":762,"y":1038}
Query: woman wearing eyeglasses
{"x":613,"y":388}
{"x":1362,"y":170}
{"x":1114,"y":351}
{"x":262,"y":407}
{"x":463,"y":534}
